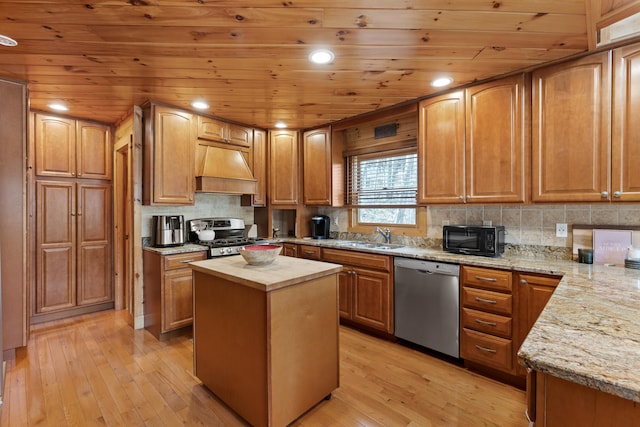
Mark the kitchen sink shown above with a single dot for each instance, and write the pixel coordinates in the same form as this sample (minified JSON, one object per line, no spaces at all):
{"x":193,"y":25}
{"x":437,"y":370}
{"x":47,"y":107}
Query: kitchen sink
{"x":368,"y":245}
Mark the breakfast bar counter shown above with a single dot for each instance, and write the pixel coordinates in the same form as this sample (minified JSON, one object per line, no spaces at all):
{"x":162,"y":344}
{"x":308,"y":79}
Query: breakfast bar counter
{"x":266,"y":337}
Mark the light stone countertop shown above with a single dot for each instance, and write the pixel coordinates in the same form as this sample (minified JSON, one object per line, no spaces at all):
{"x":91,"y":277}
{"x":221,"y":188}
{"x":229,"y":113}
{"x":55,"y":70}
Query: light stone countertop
{"x":172,"y":250}
{"x":284,"y":271}
{"x":589,"y":332}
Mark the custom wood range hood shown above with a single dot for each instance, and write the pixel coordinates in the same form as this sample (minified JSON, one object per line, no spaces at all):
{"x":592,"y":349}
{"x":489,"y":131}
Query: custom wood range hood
{"x":223,"y":170}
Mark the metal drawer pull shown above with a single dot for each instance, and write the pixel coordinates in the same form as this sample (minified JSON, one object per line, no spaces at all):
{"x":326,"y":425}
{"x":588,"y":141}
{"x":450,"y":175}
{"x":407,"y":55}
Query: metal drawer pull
{"x":488,"y":350}
{"x":186,"y":261}
{"x":484,"y":322}
{"x":309,"y":252}
{"x":488,"y":301}
{"x":487,"y":279}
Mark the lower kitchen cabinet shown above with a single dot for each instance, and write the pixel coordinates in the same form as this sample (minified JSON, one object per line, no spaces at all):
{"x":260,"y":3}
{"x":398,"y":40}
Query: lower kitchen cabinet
{"x":73,"y":248}
{"x":290,"y":249}
{"x":534,"y":291}
{"x":365,"y":288}
{"x":168,"y":291}
{"x":487,"y":305}
{"x":310,"y":252}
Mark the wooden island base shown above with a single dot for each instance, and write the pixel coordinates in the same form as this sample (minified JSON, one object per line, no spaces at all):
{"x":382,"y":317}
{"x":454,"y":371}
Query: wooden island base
{"x":269,"y":355}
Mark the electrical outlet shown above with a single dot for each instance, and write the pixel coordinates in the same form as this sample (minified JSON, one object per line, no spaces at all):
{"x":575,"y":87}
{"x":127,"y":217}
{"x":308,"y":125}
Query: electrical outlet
{"x":487,"y":222}
{"x":561,"y":230}
{"x":445,"y":222}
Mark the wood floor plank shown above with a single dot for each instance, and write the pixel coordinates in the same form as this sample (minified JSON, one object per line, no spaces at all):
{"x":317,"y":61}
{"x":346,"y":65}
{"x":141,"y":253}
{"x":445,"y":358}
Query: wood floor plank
{"x":95,"y":370}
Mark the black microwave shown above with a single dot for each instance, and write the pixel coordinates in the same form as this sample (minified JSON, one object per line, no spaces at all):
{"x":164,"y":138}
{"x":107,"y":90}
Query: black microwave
{"x":473,"y":239}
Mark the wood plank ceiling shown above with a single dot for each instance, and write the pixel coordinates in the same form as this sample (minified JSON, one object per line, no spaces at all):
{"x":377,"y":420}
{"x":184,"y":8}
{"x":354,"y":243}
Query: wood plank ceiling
{"x":248,"y":59}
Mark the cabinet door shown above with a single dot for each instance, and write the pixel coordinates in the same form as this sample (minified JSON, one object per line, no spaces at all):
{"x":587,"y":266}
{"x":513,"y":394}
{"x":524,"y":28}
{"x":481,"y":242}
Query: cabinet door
{"x":178,"y":299}
{"x":55,"y":145}
{"x":625,"y":149}
{"x":283,"y":167}
{"x":260,"y":167}
{"x":496,"y":141}
{"x":571,"y":131}
{"x":441,"y":143}
{"x":174,"y":157}
{"x":55,"y":246}
{"x":94,"y":151}
{"x":239,"y":135}
{"x":290,"y":249}
{"x":372,"y":299}
{"x":316,"y":165}
{"x":211,"y":129}
{"x":345,"y":294}
{"x":94,"y":280}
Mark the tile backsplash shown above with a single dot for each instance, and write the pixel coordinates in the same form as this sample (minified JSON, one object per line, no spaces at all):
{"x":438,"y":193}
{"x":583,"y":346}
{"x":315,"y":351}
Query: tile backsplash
{"x":528,"y":225}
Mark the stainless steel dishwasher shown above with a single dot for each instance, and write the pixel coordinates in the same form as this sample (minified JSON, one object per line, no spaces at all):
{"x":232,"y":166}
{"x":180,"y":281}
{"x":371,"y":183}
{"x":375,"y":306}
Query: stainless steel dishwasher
{"x":427,"y":304}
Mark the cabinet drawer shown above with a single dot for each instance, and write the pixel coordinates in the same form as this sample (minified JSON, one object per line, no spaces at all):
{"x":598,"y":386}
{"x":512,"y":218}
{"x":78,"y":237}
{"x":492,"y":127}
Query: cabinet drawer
{"x":486,"y":322}
{"x":309,"y":252}
{"x":487,"y":278}
{"x":487,"y":349}
{"x":358,"y":259}
{"x":493,"y":302}
{"x":172,"y":262}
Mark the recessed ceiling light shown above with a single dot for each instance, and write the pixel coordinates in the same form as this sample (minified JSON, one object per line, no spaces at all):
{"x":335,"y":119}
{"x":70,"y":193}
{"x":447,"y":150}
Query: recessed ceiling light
{"x":442,"y":81}
{"x":58,"y":107}
{"x":7,"y":41}
{"x":281,"y":125}
{"x":321,"y":56}
{"x":200,"y":105}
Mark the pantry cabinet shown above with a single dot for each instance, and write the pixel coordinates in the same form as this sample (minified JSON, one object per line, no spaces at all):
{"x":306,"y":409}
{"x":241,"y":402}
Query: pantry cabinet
{"x":316,"y":149}
{"x":169,"y":156}
{"x":571,"y":131}
{"x":71,"y":148}
{"x":283,"y":167}
{"x":168,"y":291}
{"x":365,"y":288}
{"x":259,"y":167}
{"x":73,"y":245}
{"x":472,"y":144}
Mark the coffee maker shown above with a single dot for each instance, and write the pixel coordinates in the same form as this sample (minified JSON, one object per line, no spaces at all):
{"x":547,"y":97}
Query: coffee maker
{"x":168,"y":230}
{"x":320,"y":227}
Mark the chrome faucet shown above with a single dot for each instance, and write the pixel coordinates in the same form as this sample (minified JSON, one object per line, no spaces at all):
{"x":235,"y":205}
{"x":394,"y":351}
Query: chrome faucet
{"x":386,"y":233}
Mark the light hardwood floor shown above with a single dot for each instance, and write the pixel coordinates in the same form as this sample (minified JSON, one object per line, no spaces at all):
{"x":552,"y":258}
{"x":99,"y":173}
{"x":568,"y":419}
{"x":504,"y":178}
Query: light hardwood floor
{"x":96,"y":370}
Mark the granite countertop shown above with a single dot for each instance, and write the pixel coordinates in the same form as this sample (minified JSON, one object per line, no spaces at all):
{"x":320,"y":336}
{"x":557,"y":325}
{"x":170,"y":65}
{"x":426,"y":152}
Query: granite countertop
{"x":283,"y":272}
{"x":589,"y":332}
{"x":172,"y":250}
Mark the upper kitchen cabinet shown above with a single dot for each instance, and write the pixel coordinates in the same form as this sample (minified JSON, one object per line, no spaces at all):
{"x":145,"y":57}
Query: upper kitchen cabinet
{"x":283,"y":167}
{"x":169,"y":156}
{"x":316,"y":149}
{"x":571,"y":133}
{"x":259,"y":169}
{"x":72,"y":148}
{"x":625,"y":146}
{"x":216,"y":130}
{"x":472,"y":145}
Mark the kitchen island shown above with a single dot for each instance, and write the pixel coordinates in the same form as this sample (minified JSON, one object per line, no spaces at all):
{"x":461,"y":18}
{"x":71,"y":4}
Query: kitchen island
{"x":266,"y":337}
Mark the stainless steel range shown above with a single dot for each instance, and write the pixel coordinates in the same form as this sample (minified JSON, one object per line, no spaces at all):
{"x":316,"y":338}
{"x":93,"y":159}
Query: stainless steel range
{"x":229,"y":237}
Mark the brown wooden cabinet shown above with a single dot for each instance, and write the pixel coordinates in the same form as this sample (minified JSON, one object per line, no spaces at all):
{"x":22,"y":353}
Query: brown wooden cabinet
{"x":487,"y":333}
{"x":467,"y":133}
{"x":534,"y":291}
{"x":310,"y":252}
{"x":365,"y":288}
{"x":571,"y":131}
{"x":217,"y":130}
{"x":625,"y":150}
{"x":259,"y":167}
{"x":168,"y":294}
{"x":317,"y":184}
{"x":290,"y":249}
{"x":283,"y":171}
{"x":169,"y":156}
{"x":72,"y":148}
{"x":73,"y":245}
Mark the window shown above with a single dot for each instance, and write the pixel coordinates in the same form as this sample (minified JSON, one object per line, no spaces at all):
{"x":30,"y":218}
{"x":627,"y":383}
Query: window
{"x":383,"y":186}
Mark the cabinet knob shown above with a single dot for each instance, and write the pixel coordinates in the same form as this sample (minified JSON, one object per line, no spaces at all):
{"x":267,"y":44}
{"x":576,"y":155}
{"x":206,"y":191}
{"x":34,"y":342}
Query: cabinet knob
{"x":461,"y":197}
{"x":523,"y":282}
{"x":604,"y":194}
{"x":617,"y":194}
{"x":468,"y":197}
